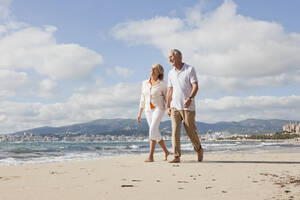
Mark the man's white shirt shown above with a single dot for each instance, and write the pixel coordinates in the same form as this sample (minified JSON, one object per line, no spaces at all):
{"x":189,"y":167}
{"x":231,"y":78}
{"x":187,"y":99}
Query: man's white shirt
{"x":181,"y":82}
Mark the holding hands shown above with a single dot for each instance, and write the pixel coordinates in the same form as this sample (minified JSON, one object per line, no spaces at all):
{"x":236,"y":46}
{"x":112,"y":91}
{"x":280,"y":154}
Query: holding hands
{"x":169,"y":111}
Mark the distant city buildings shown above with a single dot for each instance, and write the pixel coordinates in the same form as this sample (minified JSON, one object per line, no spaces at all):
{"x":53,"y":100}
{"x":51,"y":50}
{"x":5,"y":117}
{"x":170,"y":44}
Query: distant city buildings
{"x":30,"y":137}
{"x":69,"y":137}
{"x":292,"y":127}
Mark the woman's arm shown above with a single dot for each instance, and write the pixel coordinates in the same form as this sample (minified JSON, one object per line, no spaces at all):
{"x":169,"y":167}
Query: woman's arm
{"x":142,"y":105}
{"x":164,"y":93}
{"x":138,"y":119}
{"x":169,"y":99}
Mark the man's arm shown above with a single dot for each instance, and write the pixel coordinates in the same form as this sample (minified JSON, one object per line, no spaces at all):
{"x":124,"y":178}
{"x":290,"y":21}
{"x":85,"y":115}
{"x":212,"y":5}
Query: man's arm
{"x":169,"y":99}
{"x":192,"y":95}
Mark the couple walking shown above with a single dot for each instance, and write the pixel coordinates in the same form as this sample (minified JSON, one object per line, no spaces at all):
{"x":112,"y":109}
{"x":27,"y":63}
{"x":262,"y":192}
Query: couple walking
{"x":178,"y":98}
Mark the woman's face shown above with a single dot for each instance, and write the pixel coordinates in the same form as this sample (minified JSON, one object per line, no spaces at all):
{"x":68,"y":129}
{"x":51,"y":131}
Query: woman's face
{"x":154,"y":72}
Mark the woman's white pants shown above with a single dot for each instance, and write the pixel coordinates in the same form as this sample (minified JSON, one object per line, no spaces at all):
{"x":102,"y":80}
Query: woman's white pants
{"x":153,"y":118}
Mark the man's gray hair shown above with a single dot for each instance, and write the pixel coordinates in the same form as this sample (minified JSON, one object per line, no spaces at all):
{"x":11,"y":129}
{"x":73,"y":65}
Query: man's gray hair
{"x":177,"y":52}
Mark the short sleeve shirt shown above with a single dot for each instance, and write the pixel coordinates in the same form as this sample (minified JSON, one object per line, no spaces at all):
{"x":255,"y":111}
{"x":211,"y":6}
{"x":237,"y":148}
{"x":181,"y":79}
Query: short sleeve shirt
{"x":181,"y":82}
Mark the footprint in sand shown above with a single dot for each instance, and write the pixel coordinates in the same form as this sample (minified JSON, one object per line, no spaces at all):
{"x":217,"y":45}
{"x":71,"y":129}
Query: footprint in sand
{"x":127,"y":185}
{"x":182,"y":182}
{"x":136,"y":180}
{"x":7,"y":178}
{"x":56,"y":173}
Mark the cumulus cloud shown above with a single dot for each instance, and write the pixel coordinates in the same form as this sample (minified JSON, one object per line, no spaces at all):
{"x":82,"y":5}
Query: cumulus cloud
{"x":11,"y":81}
{"x":232,"y":108}
{"x":117,"y":101}
{"x":37,"y":49}
{"x":47,"y":88}
{"x":224,"y":46}
{"x":120,"y":71}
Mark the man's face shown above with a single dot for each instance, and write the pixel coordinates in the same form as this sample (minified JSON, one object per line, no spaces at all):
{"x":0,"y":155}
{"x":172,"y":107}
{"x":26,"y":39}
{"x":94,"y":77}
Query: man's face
{"x":174,"y":59}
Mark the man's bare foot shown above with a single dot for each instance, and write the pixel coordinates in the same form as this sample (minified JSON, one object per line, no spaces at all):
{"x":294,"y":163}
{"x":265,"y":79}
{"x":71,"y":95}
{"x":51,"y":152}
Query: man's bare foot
{"x":200,"y":155}
{"x":175,"y":160}
{"x":166,"y":156}
{"x":149,"y":160}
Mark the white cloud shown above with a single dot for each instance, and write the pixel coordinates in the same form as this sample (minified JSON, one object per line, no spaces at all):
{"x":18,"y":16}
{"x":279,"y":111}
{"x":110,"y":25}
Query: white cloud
{"x":224,"y":46}
{"x":47,"y":88}
{"x":118,"y":101}
{"x":120,"y":71}
{"x":36,"y":48}
{"x":232,"y":108}
{"x":147,"y":31}
{"x":11,"y":81}
{"x":236,"y":84}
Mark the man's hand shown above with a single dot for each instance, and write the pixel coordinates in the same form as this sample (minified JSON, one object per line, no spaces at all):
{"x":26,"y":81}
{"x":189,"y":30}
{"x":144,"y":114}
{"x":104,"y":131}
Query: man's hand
{"x":187,"y":103}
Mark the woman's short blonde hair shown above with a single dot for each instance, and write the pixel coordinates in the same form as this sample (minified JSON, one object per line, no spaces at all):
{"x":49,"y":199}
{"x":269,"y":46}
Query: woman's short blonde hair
{"x":160,"y":70}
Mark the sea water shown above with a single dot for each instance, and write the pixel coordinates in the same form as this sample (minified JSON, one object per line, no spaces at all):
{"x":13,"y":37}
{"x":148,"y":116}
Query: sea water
{"x":18,"y":153}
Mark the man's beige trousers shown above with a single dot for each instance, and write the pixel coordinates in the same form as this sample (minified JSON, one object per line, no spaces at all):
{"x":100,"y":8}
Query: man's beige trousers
{"x":188,"y":118}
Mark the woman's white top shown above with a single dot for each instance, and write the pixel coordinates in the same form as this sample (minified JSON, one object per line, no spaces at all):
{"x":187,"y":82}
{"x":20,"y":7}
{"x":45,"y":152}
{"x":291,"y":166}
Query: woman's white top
{"x":155,"y":94}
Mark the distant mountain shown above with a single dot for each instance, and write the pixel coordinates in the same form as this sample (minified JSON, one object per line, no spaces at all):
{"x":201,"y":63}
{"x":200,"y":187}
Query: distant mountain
{"x":130,"y":127}
{"x":100,"y":126}
{"x":249,"y":126}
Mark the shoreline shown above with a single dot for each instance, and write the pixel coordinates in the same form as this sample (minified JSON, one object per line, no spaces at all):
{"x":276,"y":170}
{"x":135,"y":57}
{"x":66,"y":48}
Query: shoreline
{"x":219,"y":176}
{"x":22,"y":154}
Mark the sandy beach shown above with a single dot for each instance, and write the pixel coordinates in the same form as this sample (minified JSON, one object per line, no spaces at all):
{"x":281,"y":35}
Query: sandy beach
{"x":219,"y":176}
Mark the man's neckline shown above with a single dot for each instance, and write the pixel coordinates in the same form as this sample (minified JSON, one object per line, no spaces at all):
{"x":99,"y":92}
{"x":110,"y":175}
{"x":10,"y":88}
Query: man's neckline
{"x":180,"y":68}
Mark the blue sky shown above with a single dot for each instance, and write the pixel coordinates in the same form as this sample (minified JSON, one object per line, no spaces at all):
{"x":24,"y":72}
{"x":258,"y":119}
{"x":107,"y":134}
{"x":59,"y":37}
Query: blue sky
{"x":67,"y":62}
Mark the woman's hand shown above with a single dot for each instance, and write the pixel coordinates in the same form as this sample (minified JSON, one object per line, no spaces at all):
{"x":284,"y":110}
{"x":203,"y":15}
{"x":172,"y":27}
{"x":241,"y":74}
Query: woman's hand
{"x":138,"y":119}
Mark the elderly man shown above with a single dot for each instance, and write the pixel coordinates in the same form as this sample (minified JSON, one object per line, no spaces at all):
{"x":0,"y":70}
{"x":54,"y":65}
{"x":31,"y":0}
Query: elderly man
{"x":182,"y":88}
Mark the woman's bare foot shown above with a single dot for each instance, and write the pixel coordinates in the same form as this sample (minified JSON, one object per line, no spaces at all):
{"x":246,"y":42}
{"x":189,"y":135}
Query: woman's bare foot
{"x":149,"y":160}
{"x":166,"y":156}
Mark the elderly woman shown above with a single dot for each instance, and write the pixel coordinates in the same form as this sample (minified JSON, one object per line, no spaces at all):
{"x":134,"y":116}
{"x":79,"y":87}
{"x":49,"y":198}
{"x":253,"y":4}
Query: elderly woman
{"x":153,"y":100}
